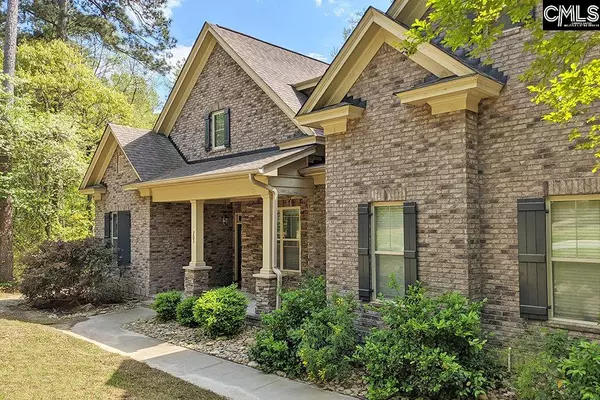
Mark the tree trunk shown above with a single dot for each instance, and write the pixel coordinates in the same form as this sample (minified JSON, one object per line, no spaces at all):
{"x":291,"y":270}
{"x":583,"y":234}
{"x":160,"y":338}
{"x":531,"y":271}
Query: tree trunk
{"x":63,"y":17}
{"x":6,"y":210}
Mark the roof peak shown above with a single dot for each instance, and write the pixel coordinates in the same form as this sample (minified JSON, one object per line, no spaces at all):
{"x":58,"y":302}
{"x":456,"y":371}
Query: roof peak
{"x":268,"y":43}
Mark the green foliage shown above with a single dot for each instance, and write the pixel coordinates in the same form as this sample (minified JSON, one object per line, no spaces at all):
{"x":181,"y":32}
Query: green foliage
{"x":221,"y":311}
{"x":328,"y":340}
{"x":166,"y":305}
{"x":556,"y":367}
{"x":185,"y":312}
{"x":276,"y":347}
{"x":563,"y":76}
{"x":429,"y":348}
{"x":50,"y":132}
{"x":80,"y":271}
{"x":139,"y":29}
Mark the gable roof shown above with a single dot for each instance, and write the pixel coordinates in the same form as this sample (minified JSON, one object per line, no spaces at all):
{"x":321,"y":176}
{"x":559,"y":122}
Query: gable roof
{"x":274,"y":69}
{"x":150,"y":154}
{"x":374,"y":29}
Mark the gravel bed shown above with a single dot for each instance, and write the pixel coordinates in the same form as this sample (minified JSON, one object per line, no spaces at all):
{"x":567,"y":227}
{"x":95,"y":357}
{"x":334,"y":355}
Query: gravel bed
{"x":236,"y":349}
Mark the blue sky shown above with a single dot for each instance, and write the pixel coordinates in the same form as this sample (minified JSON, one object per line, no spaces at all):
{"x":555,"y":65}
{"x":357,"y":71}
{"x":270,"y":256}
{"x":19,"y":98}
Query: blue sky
{"x":312,"y":27}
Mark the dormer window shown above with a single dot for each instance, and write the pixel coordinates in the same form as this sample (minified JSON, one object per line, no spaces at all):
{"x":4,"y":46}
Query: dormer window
{"x":217,"y":130}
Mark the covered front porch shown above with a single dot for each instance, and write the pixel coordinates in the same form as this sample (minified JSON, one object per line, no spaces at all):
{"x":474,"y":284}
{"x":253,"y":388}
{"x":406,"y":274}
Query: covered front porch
{"x":234,"y":232}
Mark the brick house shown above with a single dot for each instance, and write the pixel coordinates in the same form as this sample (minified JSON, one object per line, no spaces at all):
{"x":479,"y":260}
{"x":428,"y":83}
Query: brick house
{"x":432,"y":167}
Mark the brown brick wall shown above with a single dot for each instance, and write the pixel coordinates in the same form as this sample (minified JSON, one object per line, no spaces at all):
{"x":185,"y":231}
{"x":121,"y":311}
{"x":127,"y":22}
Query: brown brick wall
{"x":521,"y":156}
{"x":312,"y":242}
{"x":170,"y":245}
{"x":464,"y":170}
{"x":136,"y":275}
{"x":403,"y":154}
{"x":256,"y":121}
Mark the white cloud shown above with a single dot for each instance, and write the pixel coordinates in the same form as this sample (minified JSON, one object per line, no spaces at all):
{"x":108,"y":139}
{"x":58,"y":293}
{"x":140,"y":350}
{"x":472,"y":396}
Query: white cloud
{"x":318,"y":56}
{"x":339,"y":11}
{"x":340,"y":8}
{"x":319,"y":3}
{"x":171,"y":4}
{"x":179,"y":52}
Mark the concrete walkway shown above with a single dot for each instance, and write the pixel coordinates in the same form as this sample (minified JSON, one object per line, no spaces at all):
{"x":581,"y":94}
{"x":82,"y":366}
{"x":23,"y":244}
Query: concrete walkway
{"x":220,"y":376}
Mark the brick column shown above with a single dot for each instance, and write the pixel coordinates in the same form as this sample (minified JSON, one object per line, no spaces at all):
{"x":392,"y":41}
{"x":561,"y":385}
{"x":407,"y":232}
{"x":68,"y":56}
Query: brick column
{"x":266,"y":292}
{"x":196,"y":280}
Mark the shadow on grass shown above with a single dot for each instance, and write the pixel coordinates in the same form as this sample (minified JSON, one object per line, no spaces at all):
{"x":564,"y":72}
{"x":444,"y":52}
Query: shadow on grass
{"x":139,"y":381}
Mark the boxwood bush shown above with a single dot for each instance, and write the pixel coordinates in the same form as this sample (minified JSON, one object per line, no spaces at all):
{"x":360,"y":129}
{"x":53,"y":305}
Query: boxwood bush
{"x":222,"y":311}
{"x":82,"y":271}
{"x":165,"y":304}
{"x":431,"y":348}
{"x":185,"y":312}
{"x":276,"y":347}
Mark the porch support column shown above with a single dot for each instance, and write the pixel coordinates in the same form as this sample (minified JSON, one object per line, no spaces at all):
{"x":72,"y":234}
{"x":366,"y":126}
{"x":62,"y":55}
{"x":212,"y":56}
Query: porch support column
{"x":197,"y":273}
{"x":197,"y":234}
{"x":266,"y":280}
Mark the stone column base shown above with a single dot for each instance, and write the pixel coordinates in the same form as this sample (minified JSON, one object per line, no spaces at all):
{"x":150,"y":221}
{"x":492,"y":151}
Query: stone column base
{"x":266,"y":293}
{"x":196,"y":280}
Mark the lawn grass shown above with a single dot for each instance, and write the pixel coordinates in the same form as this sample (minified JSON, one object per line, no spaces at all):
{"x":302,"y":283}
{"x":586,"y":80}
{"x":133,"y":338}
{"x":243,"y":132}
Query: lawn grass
{"x":40,"y":362}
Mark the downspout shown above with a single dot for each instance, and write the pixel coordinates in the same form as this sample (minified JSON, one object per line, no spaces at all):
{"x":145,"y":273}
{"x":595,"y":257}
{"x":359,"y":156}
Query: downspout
{"x":274,"y":217}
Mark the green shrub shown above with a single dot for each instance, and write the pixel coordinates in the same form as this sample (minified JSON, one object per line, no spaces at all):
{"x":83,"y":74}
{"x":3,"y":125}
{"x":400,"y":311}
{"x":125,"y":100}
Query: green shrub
{"x":429,"y":348}
{"x":555,"y":366}
{"x":82,"y":271}
{"x":165,"y":304}
{"x":222,"y":311}
{"x":185,"y":312}
{"x":276,"y":347}
{"x":328,"y":340}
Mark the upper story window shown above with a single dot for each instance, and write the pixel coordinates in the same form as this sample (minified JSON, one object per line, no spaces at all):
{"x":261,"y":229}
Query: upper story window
{"x":575,"y":259}
{"x":388,"y":248}
{"x":217,"y":130}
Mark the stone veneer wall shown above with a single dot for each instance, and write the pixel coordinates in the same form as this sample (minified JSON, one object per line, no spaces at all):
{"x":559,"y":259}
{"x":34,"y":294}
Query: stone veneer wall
{"x":256,"y":121}
{"x":136,"y":275}
{"x":464,"y":170}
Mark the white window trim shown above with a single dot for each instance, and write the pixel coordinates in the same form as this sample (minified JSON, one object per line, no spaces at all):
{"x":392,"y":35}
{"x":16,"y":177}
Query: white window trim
{"x":280,"y":239}
{"x":212,"y":129}
{"x":375,"y":253}
{"x":550,"y":259}
{"x":114,"y":236}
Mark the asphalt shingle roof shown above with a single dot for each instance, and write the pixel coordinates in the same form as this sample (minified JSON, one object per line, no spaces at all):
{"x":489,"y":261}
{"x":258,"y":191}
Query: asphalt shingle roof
{"x":277,"y":67}
{"x":151,"y":154}
{"x":245,"y":162}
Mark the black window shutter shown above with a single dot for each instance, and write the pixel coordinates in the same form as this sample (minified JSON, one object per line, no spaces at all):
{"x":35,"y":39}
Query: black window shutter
{"x":364,"y":253}
{"x":533,"y":284}
{"x":207,"y":136}
{"x":124,"y":238}
{"x":107,"y":222}
{"x":227,"y":124}
{"x":410,"y":244}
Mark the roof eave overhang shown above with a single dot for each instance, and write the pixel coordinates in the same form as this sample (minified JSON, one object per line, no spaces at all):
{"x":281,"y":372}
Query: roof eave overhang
{"x":307,"y":84}
{"x":407,"y":11}
{"x":266,"y":169}
{"x":332,"y":120}
{"x":101,"y":158}
{"x":457,"y":94}
{"x":373,"y":30}
{"x":301,"y":141}
{"x":96,"y":193}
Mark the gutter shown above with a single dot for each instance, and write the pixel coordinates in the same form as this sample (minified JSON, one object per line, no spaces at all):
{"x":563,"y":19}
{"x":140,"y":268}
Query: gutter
{"x":274,"y":267}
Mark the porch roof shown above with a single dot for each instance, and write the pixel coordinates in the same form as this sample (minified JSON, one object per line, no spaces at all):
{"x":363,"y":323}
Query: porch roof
{"x":260,"y":162}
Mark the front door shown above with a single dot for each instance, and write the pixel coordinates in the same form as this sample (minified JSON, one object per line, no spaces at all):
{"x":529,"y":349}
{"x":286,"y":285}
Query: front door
{"x":238,"y":250}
